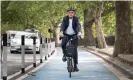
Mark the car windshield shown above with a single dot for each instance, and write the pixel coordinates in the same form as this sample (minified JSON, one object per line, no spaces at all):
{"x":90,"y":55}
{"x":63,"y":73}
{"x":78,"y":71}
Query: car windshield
{"x":17,"y":36}
{"x":30,"y":36}
{"x":27,"y":35}
{"x":12,"y":36}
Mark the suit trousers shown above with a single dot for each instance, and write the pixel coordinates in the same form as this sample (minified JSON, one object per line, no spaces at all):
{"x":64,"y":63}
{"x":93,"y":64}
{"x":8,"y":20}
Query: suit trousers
{"x":65,"y":40}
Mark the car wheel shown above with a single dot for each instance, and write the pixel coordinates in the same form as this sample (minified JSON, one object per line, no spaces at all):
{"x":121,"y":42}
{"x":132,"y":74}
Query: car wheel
{"x":18,"y":51}
{"x":12,"y":51}
{"x":38,"y":52}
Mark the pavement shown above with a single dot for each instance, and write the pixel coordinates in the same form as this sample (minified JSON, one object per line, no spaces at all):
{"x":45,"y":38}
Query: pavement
{"x":124,"y":62}
{"x":128,"y":58}
{"x":91,"y":68}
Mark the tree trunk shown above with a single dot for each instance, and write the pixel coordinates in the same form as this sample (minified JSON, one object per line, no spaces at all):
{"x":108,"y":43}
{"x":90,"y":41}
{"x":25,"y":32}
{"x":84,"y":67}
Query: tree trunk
{"x":88,"y":35}
{"x":55,"y":30}
{"x":123,"y":28}
{"x":55,"y":35}
{"x":132,"y":43}
{"x":98,"y":22}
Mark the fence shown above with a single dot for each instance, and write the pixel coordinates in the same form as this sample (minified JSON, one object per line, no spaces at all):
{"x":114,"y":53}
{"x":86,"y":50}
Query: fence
{"x":46,"y":44}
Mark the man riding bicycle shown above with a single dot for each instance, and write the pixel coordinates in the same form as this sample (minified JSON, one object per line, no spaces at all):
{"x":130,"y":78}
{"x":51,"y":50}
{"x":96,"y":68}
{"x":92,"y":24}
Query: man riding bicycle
{"x":69,"y":28}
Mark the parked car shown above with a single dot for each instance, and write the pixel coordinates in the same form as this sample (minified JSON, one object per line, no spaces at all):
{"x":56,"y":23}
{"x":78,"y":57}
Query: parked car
{"x":16,"y":42}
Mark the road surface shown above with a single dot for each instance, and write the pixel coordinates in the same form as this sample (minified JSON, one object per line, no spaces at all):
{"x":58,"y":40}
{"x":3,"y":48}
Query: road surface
{"x":91,"y":68}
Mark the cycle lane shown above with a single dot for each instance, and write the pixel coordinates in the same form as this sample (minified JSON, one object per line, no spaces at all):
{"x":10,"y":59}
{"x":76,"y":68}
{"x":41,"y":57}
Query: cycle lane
{"x":89,"y":65}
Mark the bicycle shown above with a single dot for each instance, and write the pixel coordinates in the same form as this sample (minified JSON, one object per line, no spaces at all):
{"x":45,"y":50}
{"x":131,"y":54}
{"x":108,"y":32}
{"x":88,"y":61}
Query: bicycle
{"x":70,"y":51}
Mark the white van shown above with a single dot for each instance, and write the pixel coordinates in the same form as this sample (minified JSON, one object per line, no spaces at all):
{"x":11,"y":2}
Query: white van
{"x":16,"y":42}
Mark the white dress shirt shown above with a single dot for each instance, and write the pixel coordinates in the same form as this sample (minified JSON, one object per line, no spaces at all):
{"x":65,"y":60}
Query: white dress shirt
{"x":70,"y":30}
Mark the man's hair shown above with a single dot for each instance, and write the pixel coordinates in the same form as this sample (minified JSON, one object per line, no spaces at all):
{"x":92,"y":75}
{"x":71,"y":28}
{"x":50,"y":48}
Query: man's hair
{"x":71,"y":9}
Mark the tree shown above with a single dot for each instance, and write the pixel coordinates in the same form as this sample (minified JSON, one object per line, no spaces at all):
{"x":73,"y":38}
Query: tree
{"x":88,"y":35}
{"x":89,"y":9}
{"x":54,"y":13}
{"x":4,"y":6}
{"x":108,"y":24}
{"x":98,"y":24}
{"x":123,"y":28}
{"x":26,"y":14}
{"x":88,"y":22}
{"x":44,"y":15}
{"x":108,"y":18}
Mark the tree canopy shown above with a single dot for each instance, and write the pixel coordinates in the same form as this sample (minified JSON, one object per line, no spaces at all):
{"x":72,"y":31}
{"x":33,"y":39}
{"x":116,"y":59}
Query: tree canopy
{"x":18,"y":15}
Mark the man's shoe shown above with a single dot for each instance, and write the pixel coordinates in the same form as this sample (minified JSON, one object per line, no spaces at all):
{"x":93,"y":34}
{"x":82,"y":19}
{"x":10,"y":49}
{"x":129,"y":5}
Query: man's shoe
{"x":76,"y":69}
{"x":64,"y":58}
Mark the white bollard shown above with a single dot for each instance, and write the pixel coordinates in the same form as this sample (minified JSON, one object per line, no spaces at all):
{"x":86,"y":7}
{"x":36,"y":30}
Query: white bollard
{"x":54,"y":45}
{"x":46,"y":48}
{"x":4,"y":64}
{"x":50,"y":46}
{"x":34,"y":51}
{"x":8,"y":40}
{"x":23,"y":54}
{"x":41,"y":56}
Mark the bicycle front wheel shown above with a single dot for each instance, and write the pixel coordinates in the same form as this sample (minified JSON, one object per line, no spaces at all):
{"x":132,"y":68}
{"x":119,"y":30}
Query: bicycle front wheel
{"x":70,"y":68}
{"x":70,"y":74}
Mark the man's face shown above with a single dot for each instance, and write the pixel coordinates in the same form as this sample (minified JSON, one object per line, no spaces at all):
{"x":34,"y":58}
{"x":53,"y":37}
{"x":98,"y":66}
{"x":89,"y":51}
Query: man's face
{"x":70,"y":13}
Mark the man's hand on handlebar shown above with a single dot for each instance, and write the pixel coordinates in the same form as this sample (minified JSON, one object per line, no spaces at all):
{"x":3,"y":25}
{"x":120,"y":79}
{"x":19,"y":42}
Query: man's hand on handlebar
{"x":61,"y":34}
{"x":79,"y":35}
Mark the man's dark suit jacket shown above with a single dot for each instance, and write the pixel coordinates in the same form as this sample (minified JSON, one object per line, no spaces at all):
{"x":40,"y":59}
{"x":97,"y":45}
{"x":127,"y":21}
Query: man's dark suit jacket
{"x":75,"y":24}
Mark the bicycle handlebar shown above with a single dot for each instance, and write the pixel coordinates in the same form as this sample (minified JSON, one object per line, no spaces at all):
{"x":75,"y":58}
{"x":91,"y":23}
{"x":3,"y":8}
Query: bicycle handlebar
{"x":76,"y":36}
